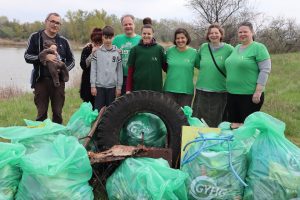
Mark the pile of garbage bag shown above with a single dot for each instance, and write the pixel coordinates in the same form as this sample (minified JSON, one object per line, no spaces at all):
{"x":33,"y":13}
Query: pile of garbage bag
{"x":274,"y":162}
{"x":81,"y":121}
{"x":217,"y":166}
{"x":44,"y":161}
{"x":146,"y":178}
{"x":255,"y":161}
{"x":10,"y":173}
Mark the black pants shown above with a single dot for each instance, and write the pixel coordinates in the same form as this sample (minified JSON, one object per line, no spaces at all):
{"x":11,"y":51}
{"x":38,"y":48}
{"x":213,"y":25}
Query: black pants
{"x":104,"y":97}
{"x":240,"y":106}
{"x":44,"y":92}
{"x":210,"y":106}
{"x":181,"y":99}
{"x":123,"y":90}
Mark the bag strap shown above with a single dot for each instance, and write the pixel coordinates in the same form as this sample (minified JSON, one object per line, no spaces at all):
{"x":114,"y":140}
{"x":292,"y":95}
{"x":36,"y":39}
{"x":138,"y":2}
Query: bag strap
{"x":212,"y":56}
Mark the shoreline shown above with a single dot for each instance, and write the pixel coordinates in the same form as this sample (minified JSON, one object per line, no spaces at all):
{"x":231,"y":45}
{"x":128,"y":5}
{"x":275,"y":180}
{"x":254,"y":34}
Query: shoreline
{"x":23,"y":43}
{"x":12,"y":43}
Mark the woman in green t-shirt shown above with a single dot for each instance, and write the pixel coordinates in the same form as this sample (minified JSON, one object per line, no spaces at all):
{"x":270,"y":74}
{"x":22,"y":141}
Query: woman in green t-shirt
{"x":181,"y":60}
{"x":145,"y":63}
{"x":247,"y":68}
{"x":211,"y":94}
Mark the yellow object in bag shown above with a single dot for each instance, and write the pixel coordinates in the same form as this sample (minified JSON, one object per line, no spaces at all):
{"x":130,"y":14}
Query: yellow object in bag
{"x":189,"y":133}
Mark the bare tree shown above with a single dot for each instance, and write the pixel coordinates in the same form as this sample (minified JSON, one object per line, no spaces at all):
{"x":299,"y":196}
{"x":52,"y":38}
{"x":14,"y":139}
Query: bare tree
{"x":281,"y":35}
{"x":211,"y":11}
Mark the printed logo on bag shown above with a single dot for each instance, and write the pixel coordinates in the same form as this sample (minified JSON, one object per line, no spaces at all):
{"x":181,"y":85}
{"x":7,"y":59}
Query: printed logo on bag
{"x":205,"y":188}
{"x":293,"y":161}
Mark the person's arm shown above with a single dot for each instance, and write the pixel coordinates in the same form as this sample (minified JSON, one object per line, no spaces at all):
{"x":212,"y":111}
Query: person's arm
{"x":88,"y":60}
{"x":264,"y":71}
{"x":129,"y":82}
{"x":131,"y":66}
{"x":86,"y":52}
{"x":165,"y":67}
{"x":43,"y":55}
{"x":198,"y":58}
{"x":93,"y":75}
{"x":31,"y":54}
{"x":70,"y":61}
{"x":164,"y":60}
{"x":119,"y":76}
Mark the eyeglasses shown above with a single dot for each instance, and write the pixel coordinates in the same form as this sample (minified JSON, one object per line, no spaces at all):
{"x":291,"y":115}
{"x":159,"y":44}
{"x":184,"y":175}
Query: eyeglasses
{"x":53,"y":22}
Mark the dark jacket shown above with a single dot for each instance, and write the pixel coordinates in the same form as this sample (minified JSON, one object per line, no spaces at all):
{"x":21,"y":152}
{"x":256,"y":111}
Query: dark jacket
{"x":85,"y":86}
{"x":35,"y":46}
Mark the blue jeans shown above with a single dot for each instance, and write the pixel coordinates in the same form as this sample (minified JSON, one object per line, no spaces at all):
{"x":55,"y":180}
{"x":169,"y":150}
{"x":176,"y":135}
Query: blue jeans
{"x":210,"y":106}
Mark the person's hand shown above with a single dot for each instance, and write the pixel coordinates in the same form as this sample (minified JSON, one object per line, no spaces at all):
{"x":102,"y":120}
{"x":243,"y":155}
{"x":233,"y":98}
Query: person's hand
{"x":51,"y":58}
{"x":88,"y":44}
{"x":256,"y":97}
{"x":235,"y":125}
{"x":95,"y":47}
{"x":128,"y":92}
{"x":93,"y":91}
{"x":118,"y":92}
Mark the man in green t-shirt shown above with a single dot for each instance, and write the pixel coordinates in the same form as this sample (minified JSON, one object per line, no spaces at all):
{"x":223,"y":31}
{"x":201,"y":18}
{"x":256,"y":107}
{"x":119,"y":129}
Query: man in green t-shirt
{"x":125,"y":42}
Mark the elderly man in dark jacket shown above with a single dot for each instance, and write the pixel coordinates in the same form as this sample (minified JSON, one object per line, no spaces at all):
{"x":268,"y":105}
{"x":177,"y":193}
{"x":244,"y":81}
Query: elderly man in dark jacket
{"x":41,"y":80}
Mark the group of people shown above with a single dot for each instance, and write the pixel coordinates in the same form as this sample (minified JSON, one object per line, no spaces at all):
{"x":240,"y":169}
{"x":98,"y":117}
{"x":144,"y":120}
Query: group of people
{"x":229,"y":77}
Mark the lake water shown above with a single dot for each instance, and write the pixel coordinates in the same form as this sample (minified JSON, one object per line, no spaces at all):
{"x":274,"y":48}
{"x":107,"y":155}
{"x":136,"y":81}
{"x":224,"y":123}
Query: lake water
{"x":15,"y":72}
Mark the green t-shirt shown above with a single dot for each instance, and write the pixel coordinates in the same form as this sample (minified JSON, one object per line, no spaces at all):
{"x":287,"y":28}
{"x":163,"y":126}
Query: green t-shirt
{"x":125,"y":44}
{"x":242,"y":68}
{"x":180,"y":70}
{"x":209,"y":78}
{"x":147,"y":63}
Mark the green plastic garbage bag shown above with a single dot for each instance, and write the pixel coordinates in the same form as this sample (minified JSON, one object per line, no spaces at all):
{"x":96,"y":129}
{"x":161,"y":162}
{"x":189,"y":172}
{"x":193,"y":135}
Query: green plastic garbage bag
{"x":58,"y":170}
{"x":217,"y":166}
{"x":150,"y":125}
{"x":82,"y":120}
{"x":10,"y":173}
{"x":274,"y":162}
{"x":193,"y":121}
{"x":146,"y":178}
{"x":34,"y":134}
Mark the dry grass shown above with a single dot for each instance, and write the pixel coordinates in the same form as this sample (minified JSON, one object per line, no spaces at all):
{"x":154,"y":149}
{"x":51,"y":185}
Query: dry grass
{"x":10,"y":92}
{"x":7,"y":42}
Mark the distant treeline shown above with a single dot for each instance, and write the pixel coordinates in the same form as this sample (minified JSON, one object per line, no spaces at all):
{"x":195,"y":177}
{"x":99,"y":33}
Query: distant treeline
{"x":279,"y":35}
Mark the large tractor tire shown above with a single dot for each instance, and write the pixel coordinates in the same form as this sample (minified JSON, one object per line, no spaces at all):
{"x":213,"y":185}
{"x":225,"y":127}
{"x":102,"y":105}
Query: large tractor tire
{"x":125,"y":107}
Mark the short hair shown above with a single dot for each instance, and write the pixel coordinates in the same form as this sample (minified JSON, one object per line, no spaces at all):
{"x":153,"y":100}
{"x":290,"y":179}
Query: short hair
{"x":248,"y":24}
{"x":108,"y":31}
{"x":147,"y":26}
{"x":50,"y":14}
{"x":185,"y":33}
{"x":127,"y":15}
{"x":217,"y":26}
{"x":96,"y":35}
{"x":147,"y":20}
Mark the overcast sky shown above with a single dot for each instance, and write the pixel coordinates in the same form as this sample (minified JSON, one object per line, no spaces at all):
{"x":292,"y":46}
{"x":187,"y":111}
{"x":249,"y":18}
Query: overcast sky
{"x":32,"y":10}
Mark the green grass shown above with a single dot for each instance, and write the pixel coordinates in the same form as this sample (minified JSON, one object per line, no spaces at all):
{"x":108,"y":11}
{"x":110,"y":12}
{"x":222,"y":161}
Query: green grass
{"x":283,"y":94}
{"x":17,"y":108}
{"x":281,"y":98}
